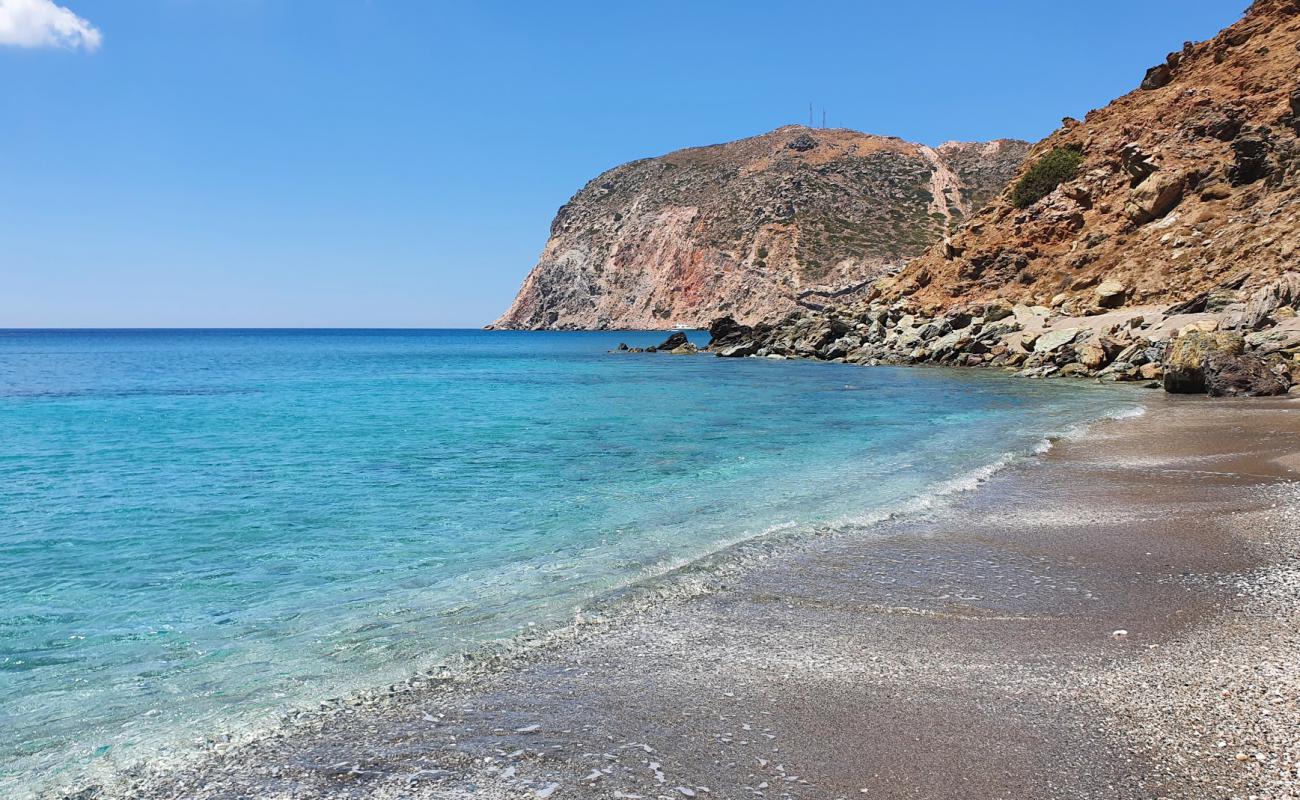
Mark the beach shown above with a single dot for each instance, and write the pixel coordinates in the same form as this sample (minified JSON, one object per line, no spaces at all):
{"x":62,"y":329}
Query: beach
{"x":1114,"y":618}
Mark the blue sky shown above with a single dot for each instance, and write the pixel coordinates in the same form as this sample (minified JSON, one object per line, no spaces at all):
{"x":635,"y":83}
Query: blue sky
{"x":397,"y":163}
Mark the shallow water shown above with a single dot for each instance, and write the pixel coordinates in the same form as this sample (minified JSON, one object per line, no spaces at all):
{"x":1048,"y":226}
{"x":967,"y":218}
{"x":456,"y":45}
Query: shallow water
{"x":199,"y":529}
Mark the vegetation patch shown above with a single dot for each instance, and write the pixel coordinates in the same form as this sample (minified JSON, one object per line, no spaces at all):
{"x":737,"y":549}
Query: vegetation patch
{"x":1053,"y":169}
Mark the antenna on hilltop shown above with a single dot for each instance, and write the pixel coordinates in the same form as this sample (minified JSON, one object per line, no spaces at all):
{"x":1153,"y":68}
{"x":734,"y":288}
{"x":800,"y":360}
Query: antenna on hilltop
{"x":810,"y":122}
{"x":823,"y":118}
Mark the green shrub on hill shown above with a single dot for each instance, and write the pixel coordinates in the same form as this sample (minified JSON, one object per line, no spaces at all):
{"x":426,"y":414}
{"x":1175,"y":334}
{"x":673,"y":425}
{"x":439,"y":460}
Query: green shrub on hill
{"x":1051,"y":171}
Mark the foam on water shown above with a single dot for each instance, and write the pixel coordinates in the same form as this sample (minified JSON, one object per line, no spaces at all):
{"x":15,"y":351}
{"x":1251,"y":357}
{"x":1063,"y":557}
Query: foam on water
{"x":204,"y":529}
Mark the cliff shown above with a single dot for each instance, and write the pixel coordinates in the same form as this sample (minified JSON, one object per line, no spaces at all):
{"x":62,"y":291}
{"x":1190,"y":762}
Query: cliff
{"x":752,"y":228}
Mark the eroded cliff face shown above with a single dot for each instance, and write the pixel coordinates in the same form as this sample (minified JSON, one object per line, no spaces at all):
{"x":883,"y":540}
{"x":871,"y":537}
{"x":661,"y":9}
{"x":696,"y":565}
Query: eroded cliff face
{"x":752,"y":228}
{"x":1189,"y":184}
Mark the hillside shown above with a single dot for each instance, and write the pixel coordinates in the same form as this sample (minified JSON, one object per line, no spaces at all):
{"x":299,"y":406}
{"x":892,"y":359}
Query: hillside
{"x":1158,"y":240}
{"x":752,"y":228}
{"x":1184,"y":184}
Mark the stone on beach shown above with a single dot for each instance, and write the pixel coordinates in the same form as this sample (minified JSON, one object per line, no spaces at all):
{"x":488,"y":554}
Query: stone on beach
{"x":1242,"y":375}
{"x":1184,"y":363}
{"x":1053,"y":340}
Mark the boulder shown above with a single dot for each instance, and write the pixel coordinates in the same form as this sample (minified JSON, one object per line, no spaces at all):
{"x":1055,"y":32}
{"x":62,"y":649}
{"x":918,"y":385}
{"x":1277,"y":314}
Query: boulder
{"x":1241,"y":375}
{"x":1092,"y":356}
{"x":1274,"y":341}
{"x":959,"y":320}
{"x":738,"y":350}
{"x":676,"y":340}
{"x":687,"y":349}
{"x":997,"y":310}
{"x":1054,"y":340}
{"x":1184,"y":361}
{"x":1154,"y":197}
{"x":1111,"y":294}
{"x":840,"y":348}
{"x":1158,"y":76}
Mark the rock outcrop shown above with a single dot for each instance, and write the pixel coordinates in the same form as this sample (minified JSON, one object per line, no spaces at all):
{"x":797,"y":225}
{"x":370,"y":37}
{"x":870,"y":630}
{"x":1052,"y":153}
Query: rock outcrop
{"x":1165,"y":251}
{"x":752,"y":229}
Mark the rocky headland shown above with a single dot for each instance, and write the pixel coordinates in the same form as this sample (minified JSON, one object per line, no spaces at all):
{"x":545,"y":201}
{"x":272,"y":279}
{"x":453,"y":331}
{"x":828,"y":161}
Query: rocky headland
{"x":753,"y":229}
{"x":1158,"y":241}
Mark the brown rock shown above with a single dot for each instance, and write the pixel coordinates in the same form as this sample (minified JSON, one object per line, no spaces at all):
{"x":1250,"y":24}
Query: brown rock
{"x":1241,"y":375}
{"x":1154,"y":197}
{"x":1111,"y":294}
{"x":1216,"y":191}
{"x":1092,"y":356}
{"x":1184,"y":363}
{"x":1158,"y":76}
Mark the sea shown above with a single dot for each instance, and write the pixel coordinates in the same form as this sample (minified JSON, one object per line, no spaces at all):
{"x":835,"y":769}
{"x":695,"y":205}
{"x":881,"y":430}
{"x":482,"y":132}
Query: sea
{"x":202,"y":530}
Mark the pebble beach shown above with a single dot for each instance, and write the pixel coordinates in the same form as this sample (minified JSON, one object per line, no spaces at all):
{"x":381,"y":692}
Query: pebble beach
{"x":1115,"y":618}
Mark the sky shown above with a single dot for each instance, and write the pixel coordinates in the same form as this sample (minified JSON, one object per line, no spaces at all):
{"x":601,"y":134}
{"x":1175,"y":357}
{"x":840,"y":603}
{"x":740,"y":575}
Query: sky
{"x":397,"y":163}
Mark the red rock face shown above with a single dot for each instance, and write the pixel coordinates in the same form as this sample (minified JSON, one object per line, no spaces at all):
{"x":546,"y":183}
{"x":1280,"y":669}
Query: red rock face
{"x":752,"y":229}
{"x":1188,"y":184}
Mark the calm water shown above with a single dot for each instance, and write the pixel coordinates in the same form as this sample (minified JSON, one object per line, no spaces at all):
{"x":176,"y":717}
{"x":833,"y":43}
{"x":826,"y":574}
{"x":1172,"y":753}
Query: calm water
{"x":201,"y":528}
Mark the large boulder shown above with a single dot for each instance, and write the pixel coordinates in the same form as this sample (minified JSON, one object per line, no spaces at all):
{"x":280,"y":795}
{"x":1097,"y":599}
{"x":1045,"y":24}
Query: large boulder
{"x":1054,"y":340}
{"x":1244,"y":375}
{"x":1184,"y":361}
{"x":1111,"y":294}
{"x":1091,"y":355}
{"x":676,"y":340}
{"x":1155,"y":197}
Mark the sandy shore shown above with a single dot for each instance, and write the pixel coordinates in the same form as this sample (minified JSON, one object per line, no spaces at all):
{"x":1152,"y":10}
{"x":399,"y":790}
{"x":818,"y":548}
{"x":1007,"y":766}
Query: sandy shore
{"x":1118,"y":618}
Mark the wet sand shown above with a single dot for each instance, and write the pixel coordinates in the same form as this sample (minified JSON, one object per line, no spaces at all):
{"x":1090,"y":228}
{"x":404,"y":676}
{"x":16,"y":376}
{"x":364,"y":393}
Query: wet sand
{"x":970,"y":651}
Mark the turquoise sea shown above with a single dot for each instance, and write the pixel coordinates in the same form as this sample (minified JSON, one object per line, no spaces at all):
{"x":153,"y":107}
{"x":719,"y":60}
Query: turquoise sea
{"x":202,"y":529}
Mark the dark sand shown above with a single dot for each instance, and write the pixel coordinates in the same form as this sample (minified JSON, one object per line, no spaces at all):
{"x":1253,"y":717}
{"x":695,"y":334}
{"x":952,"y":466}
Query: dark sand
{"x":969,"y":651}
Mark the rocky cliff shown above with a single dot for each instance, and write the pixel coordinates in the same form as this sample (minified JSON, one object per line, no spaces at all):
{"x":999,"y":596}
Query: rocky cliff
{"x":1157,"y":241}
{"x":752,"y":228}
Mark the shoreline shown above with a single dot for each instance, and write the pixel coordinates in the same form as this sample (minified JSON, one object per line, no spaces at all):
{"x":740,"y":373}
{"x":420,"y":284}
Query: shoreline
{"x":536,"y":688}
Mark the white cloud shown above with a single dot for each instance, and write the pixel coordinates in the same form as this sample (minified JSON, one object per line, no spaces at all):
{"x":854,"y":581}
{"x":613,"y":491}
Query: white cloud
{"x":41,"y":23}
